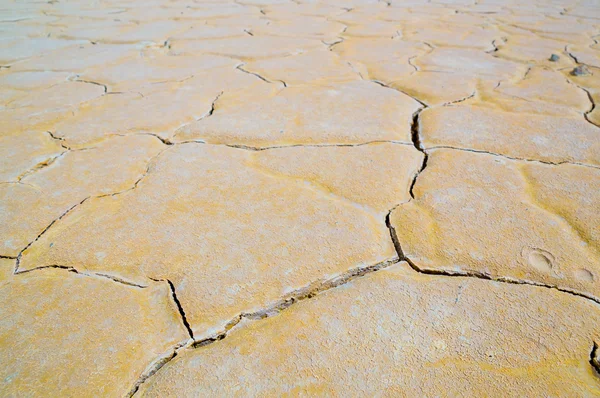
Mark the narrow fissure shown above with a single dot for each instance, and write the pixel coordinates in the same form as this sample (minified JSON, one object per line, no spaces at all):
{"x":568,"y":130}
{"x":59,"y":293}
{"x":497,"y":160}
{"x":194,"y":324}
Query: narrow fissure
{"x":240,"y":68}
{"x":546,"y":162}
{"x":595,"y":359}
{"x":180,"y":309}
{"x":20,"y":255}
{"x":416,"y":140}
{"x":475,"y":274}
{"x":212,"y":107}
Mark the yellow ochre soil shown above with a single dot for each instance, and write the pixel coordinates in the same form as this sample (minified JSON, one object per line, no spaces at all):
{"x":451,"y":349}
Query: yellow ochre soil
{"x":300,"y":198}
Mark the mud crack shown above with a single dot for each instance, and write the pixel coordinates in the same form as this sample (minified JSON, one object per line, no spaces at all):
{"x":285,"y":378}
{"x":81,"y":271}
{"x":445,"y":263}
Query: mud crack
{"x":476,"y":274}
{"x":595,"y":359}
{"x":294,"y":297}
{"x":415,"y":134}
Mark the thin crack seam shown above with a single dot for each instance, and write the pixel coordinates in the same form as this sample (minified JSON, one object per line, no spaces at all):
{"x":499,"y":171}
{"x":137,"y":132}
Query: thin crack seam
{"x":511,"y":157}
{"x":135,"y":185}
{"x":595,"y":358}
{"x":319,"y":287}
{"x":476,"y":274}
{"x":349,"y":276}
{"x":240,"y":67}
{"x":76,"y":271}
{"x":180,"y":309}
{"x":592,"y":103}
{"x":310,"y":291}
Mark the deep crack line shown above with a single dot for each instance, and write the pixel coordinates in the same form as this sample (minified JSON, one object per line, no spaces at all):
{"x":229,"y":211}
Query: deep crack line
{"x":210,"y":111}
{"x":60,"y":140}
{"x":415,"y":134}
{"x":20,"y":255}
{"x":266,"y":148}
{"x":592,"y":103}
{"x":76,"y":271}
{"x":240,"y":68}
{"x":476,"y":274}
{"x":294,"y":297}
{"x":153,"y":368}
{"x":94,"y":83}
{"x":180,"y":309}
{"x":595,"y":358}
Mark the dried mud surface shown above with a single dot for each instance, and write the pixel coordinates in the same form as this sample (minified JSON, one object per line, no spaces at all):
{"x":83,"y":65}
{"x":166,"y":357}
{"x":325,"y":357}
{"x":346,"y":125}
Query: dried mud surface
{"x":301,"y":198}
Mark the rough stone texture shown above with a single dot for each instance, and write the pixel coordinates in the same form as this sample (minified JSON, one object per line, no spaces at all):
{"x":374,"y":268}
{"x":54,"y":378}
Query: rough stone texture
{"x":453,"y":336}
{"x":63,"y":334}
{"x":172,"y":173}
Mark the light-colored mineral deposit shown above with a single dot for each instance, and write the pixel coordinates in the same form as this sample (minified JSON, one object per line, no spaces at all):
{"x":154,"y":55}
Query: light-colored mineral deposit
{"x":300,"y":198}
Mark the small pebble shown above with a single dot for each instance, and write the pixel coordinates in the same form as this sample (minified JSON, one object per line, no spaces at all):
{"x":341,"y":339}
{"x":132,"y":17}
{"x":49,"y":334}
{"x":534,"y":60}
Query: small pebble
{"x":581,"y":70}
{"x":554,"y":58}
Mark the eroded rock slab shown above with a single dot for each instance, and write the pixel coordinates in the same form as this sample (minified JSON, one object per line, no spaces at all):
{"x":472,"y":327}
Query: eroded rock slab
{"x":487,"y":215}
{"x":229,"y":236}
{"x":72,"y":335}
{"x":396,"y":332}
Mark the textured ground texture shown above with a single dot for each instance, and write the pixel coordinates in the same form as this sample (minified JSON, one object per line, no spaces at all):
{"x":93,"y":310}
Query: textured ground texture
{"x":284,"y":198}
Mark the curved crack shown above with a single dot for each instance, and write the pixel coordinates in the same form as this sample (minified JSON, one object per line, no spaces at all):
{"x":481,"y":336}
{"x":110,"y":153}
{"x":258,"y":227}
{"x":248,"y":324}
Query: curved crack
{"x":20,"y":255}
{"x":477,"y":274}
{"x":210,"y":111}
{"x":94,"y":83}
{"x":135,"y":185}
{"x":294,"y":297}
{"x":546,"y":162}
{"x":60,"y":140}
{"x":240,"y":68}
{"x":595,"y":359}
{"x":592,"y":103}
{"x":41,"y":165}
{"x":76,"y":271}
{"x":415,"y":133}
{"x":182,"y":315}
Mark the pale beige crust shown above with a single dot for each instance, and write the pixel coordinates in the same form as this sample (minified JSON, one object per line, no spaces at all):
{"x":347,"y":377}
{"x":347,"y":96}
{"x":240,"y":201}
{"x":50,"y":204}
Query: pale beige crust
{"x":299,"y":197}
{"x":397,"y":333}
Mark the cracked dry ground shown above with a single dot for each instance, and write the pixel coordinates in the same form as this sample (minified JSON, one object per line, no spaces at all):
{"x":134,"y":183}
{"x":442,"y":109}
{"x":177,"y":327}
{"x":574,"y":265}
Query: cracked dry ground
{"x":273,"y":197}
